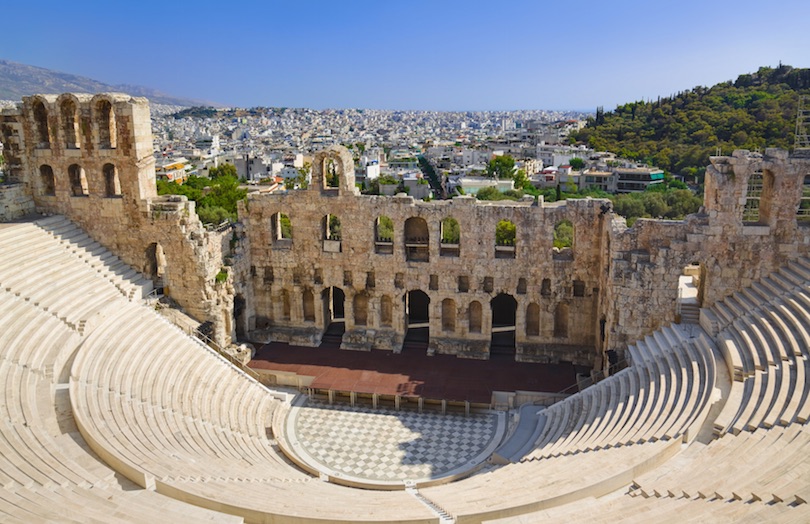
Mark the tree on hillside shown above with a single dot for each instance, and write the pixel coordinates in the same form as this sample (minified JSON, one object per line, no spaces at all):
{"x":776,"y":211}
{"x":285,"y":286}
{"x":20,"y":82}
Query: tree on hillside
{"x":678,"y":133}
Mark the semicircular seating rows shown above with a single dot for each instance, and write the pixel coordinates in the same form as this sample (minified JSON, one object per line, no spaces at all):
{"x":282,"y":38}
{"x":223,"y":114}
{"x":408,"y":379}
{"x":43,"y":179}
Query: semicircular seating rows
{"x":172,"y":416}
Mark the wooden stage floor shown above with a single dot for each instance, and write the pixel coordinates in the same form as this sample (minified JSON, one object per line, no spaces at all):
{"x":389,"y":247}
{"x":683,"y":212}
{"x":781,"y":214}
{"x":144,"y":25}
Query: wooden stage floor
{"x":413,"y":375}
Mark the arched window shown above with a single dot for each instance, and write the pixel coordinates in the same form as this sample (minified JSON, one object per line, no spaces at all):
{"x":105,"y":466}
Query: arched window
{"x":70,"y":124}
{"x":448,"y":315}
{"x":309,"y":305}
{"x":78,"y":181}
{"x":450,"y":237}
{"x":417,"y":240}
{"x":474,"y":314}
{"x":505,"y":237}
{"x":386,"y":310}
{"x":533,"y":320}
{"x":331,"y":173}
{"x":384,"y":235}
{"x":561,"y":321}
{"x":360,"y":306}
{"x":112,"y":185}
{"x":106,"y":125}
{"x":47,"y":180}
{"x":43,"y":134}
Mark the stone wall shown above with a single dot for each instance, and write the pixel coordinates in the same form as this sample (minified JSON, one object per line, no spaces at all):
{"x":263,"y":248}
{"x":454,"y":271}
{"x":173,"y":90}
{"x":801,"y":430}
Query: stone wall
{"x":380,"y":275}
{"x":298,"y":258}
{"x":90,"y":158}
{"x":614,"y":286}
{"x":14,"y":202}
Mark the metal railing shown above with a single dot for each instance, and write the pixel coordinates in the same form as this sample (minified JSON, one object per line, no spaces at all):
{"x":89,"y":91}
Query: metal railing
{"x":208,"y":341}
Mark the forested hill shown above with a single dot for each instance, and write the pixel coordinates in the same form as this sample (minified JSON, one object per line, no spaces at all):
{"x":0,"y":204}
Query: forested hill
{"x":678,"y":133}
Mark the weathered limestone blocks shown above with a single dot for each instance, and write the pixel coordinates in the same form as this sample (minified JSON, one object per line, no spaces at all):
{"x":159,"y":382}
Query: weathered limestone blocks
{"x":14,"y":202}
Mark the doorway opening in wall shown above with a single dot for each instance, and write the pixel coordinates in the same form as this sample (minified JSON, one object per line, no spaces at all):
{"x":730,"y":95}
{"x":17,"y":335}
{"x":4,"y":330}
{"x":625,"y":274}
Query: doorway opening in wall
{"x":417,"y":311}
{"x":239,"y":317}
{"x":691,"y":284}
{"x":333,"y":316}
{"x":504,"y":314}
{"x":156,"y":266}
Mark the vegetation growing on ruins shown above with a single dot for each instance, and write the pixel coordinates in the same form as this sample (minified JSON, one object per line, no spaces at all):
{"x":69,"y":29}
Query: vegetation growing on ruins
{"x":679,"y":132}
{"x":505,"y":232}
{"x":564,"y":234}
{"x":216,"y":197}
{"x":671,"y":200}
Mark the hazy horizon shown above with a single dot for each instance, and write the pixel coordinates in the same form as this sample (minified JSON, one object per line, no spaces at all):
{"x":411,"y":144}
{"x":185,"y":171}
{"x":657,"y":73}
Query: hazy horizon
{"x":448,"y":56}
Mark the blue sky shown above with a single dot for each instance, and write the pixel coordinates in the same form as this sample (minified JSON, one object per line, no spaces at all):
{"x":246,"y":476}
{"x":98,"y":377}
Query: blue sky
{"x":442,"y":55}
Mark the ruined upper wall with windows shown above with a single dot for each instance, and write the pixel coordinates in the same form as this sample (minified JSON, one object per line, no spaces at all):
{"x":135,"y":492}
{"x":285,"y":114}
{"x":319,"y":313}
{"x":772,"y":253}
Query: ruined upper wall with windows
{"x":90,"y":157}
{"x":472,"y":260}
{"x":541,"y":282}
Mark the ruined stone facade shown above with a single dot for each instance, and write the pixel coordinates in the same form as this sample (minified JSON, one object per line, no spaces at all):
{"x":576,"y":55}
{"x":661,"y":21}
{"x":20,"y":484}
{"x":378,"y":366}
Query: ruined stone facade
{"x":90,"y":158}
{"x":384,"y":267}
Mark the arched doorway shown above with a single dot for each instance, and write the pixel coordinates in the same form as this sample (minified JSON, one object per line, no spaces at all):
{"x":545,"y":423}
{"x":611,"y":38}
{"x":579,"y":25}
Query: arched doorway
{"x":504,"y":313}
{"x":333,"y":316}
{"x":417,"y":311}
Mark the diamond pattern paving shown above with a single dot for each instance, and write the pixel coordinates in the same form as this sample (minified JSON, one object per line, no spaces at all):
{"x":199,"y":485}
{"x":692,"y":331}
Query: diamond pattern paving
{"x":383,"y":444}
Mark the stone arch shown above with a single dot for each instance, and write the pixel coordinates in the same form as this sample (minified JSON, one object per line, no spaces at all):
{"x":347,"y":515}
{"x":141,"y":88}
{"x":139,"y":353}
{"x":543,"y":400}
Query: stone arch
{"x":70,"y":122}
{"x":41,"y":128}
{"x":475,"y":313}
{"x":333,"y":299}
{"x":47,"y":181}
{"x":386,"y":311}
{"x":418,"y":307}
{"x":448,"y":315}
{"x":561,"y":321}
{"x":339,"y":159}
{"x":533,"y":320}
{"x":112,"y":185}
{"x":308,"y":303}
{"x":105,"y":120}
{"x":505,"y":239}
{"x":360,"y":309}
{"x":78,"y":181}
{"x":417,"y":239}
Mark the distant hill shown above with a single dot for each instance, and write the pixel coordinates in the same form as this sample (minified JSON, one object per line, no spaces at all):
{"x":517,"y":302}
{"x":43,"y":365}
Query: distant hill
{"x":19,"y":80}
{"x":679,"y":132}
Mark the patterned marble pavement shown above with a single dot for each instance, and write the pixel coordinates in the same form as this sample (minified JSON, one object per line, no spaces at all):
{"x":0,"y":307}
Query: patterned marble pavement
{"x":391,"y":446}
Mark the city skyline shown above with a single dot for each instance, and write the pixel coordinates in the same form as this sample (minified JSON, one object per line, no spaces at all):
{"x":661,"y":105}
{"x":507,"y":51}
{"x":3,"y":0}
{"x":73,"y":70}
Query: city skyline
{"x":455,"y":56}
